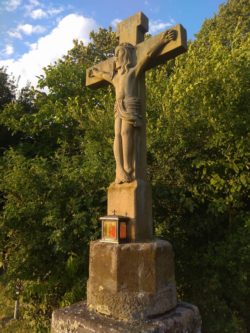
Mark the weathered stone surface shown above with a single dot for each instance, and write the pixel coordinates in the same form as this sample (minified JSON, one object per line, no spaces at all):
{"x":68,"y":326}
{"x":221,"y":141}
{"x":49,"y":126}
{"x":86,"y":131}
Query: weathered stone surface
{"x":132,"y":29}
{"x":134,"y":201}
{"x":125,"y":72}
{"x":185,"y":318}
{"x":131,"y":281}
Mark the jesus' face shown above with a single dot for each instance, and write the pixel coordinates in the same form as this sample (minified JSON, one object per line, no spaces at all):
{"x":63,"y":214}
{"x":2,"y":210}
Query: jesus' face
{"x":124,"y":57}
{"x":119,"y":57}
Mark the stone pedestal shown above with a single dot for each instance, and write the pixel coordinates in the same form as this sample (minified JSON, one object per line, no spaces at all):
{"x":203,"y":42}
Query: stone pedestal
{"x":131,"y":281}
{"x":133,"y":200}
{"x":185,"y":318}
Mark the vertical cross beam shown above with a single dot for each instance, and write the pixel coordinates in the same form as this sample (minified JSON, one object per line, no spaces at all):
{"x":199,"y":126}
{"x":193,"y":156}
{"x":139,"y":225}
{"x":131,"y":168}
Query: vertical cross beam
{"x":132,"y":29}
{"x":136,"y":198}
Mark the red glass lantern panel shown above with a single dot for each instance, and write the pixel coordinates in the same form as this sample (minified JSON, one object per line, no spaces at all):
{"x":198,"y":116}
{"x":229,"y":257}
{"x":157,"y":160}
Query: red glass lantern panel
{"x":110,"y":230}
{"x":123,"y":230}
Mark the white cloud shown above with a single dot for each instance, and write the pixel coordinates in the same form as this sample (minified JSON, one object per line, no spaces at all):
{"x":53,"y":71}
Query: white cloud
{"x":26,"y":29}
{"x":15,"y":34}
{"x":12,"y":5}
{"x":54,"y":11}
{"x":49,"y":48}
{"x":29,"y":29}
{"x":38,"y":14}
{"x":30,"y":6}
{"x":9,"y":50}
{"x":32,"y":46}
{"x":34,"y":3}
{"x":115,"y":22}
{"x":158,"y":25}
{"x":154,"y":25}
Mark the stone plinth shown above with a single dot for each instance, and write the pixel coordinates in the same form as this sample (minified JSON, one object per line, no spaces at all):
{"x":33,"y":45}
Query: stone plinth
{"x":131,"y":281}
{"x":133,"y":200}
{"x":185,"y":318}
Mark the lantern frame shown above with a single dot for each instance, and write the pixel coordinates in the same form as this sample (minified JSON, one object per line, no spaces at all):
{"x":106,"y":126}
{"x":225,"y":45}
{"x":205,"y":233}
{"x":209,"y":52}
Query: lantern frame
{"x":118,"y":221}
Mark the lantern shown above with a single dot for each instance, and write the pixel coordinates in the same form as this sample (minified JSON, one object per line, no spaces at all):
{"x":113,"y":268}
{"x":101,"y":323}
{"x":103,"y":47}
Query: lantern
{"x":114,"y":229}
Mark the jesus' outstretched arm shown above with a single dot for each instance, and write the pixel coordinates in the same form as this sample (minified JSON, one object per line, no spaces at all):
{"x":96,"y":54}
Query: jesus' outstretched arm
{"x":96,"y":72}
{"x":166,"y":37}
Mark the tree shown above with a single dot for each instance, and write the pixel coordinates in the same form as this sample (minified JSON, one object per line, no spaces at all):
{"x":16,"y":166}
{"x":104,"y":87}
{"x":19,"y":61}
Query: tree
{"x":199,"y":154}
{"x":7,"y":94}
{"x":54,"y":179}
{"x":54,"y":183}
{"x":7,"y":88}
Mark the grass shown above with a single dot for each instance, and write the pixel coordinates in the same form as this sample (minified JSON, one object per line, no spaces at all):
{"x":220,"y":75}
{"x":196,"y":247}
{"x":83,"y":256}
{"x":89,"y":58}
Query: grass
{"x":7,"y":323}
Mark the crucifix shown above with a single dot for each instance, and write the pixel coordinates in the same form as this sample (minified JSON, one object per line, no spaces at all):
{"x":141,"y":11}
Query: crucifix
{"x":131,"y":193}
{"x":131,"y":275}
{"x":125,"y":71}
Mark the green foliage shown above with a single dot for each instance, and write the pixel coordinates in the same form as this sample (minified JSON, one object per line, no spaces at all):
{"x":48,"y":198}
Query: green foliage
{"x":53,"y":178}
{"x":7,"y":88}
{"x":7,"y":95}
{"x":19,"y":326}
{"x":199,"y":164}
{"x":7,"y":323}
{"x":54,"y":185}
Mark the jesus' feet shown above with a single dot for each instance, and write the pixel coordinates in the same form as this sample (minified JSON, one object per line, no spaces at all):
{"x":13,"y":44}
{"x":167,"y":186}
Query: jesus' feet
{"x":122,"y":177}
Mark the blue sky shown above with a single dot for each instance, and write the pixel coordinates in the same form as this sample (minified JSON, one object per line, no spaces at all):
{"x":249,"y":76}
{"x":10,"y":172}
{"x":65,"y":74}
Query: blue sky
{"x":34,"y":33}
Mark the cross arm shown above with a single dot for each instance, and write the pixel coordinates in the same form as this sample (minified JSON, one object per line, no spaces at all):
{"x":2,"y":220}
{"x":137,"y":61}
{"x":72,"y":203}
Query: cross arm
{"x":105,"y":66}
{"x":169,"y":51}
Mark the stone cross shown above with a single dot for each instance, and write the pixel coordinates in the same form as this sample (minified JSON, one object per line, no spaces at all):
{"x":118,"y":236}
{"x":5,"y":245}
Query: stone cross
{"x":130,"y":194}
{"x":125,"y":72}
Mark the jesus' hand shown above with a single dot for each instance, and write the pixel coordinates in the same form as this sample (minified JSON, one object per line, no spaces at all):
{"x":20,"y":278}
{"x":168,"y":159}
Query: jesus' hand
{"x":169,"y":35}
{"x":93,"y":71}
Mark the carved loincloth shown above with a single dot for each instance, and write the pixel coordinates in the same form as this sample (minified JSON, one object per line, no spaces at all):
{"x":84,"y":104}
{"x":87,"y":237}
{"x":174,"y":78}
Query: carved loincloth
{"x":128,"y":109}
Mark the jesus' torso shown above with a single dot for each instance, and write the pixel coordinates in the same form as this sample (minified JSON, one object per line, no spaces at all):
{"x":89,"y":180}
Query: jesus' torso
{"x":126,"y":84}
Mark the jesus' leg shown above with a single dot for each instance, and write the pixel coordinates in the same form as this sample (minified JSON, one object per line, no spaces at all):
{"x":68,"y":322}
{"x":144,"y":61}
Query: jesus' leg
{"x":127,"y":131}
{"x":121,"y":175}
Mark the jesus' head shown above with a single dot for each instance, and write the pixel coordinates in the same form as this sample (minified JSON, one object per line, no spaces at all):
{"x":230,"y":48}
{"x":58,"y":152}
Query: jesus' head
{"x":124,"y":57}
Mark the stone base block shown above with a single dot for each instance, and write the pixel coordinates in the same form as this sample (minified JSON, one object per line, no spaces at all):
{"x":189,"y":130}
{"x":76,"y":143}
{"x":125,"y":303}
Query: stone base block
{"x":78,"y":319}
{"x":131,"y":281}
{"x":134,"y":201}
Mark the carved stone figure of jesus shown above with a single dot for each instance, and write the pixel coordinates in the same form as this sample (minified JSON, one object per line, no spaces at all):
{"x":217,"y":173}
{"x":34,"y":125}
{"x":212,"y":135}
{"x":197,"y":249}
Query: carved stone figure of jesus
{"x":125,"y":77}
